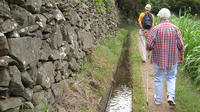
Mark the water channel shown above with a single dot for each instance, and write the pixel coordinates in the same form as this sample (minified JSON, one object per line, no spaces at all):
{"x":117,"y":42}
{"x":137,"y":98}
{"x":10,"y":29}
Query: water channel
{"x":121,"y":94}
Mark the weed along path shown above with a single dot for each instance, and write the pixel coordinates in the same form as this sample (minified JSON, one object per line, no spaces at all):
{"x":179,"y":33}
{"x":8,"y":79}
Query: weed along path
{"x":148,"y":85}
{"x":121,"y":95}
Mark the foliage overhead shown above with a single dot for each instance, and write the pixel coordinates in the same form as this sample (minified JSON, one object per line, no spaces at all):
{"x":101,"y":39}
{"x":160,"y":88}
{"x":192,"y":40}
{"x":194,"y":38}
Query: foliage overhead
{"x":130,"y":8}
{"x":175,"y":5}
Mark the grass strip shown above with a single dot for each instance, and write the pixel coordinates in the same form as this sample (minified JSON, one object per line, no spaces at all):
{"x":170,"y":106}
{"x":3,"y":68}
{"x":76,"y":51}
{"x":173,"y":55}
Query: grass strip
{"x":187,"y":96}
{"x":139,"y":101}
{"x":101,"y":63}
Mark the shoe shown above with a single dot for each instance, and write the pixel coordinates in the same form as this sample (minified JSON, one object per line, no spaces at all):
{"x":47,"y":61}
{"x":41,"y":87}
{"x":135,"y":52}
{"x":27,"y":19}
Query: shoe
{"x":143,"y":61}
{"x":171,"y":101}
{"x":157,"y":102}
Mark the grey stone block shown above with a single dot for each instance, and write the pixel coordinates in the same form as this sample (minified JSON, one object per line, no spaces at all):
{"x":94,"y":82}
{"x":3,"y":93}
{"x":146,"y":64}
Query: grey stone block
{"x":9,"y":103}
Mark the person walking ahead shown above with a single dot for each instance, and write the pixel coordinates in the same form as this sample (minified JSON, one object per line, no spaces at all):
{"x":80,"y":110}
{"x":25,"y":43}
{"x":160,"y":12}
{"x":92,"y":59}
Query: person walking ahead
{"x":146,"y":22}
{"x":167,"y":47}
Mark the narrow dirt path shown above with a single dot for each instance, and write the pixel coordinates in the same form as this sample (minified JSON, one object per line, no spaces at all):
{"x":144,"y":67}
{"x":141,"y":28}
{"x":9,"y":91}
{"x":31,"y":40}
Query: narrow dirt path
{"x":148,"y":85}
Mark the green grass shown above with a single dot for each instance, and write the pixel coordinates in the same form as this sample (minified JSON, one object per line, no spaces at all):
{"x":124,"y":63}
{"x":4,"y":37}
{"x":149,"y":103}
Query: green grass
{"x":83,"y":109}
{"x":187,"y":97}
{"x":44,"y":109}
{"x":103,"y":59}
{"x":100,"y":65}
{"x":139,"y":101}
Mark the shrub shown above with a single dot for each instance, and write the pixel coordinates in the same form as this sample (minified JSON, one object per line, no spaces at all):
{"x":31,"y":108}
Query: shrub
{"x":190,"y":30}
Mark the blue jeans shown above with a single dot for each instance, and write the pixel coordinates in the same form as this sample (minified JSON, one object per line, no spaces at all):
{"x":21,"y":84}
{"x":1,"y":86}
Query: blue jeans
{"x":170,"y":74}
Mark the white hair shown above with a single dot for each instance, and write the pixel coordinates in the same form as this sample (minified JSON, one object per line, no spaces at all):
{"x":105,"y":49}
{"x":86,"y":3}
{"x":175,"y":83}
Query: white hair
{"x":164,"y":13}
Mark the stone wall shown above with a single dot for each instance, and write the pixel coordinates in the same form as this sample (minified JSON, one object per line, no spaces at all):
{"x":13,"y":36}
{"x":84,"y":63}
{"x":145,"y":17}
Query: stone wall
{"x":42,"y":44}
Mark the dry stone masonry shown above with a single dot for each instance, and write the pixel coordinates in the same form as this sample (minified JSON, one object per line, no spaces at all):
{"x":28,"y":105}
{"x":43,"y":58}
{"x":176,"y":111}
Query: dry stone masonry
{"x":42,"y":44}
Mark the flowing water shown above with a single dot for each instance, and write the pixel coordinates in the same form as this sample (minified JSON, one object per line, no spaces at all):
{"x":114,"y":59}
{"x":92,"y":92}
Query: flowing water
{"x":121,"y":100}
{"x":121,"y":95}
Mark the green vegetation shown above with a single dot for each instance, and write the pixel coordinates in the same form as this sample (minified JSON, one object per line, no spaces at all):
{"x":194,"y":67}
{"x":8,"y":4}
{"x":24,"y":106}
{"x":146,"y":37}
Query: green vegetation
{"x":175,"y":5}
{"x":80,"y":2}
{"x":83,"y":109}
{"x":188,"y":100}
{"x":190,"y":30}
{"x":103,"y":5}
{"x":100,"y":65}
{"x":157,"y":5}
{"x":139,"y":101}
{"x":101,"y":62}
{"x":44,"y":109}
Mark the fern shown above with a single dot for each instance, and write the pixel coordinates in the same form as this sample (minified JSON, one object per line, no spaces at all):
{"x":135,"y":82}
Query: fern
{"x":103,"y":5}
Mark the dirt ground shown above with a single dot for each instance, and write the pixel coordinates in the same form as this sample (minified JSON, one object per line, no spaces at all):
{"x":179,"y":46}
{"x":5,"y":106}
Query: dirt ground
{"x":148,"y":85}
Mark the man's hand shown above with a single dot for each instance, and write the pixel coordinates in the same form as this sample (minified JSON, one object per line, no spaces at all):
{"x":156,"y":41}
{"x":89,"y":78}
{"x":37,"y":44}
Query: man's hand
{"x":146,"y":33}
{"x":181,"y":57}
{"x":141,"y":27}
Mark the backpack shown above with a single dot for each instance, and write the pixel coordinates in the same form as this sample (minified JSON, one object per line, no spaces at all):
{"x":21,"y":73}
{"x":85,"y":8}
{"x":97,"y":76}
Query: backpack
{"x":147,"y":21}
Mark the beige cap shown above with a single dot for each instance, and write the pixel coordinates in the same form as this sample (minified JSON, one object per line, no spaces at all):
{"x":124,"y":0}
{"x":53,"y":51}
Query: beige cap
{"x":164,"y":13}
{"x":148,"y":7}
